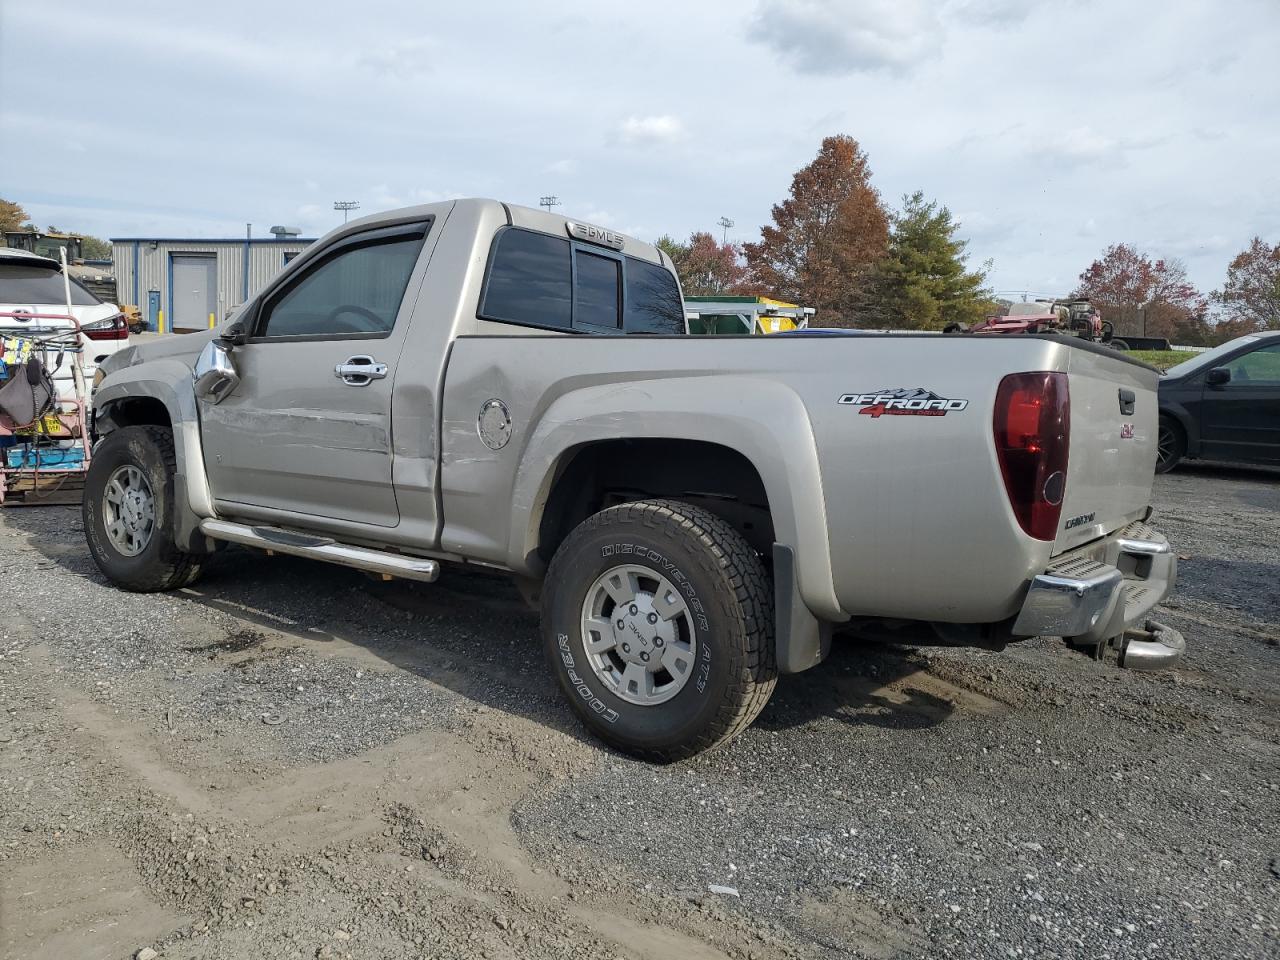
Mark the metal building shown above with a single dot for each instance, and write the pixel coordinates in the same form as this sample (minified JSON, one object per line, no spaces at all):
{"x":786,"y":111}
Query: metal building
{"x":183,"y":283}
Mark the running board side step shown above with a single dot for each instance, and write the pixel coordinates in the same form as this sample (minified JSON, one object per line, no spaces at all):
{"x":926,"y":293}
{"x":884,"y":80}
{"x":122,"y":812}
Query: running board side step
{"x":322,"y":548}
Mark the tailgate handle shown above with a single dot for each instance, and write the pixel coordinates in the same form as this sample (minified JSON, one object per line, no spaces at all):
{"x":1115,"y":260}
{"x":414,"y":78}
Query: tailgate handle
{"x":1127,"y":399}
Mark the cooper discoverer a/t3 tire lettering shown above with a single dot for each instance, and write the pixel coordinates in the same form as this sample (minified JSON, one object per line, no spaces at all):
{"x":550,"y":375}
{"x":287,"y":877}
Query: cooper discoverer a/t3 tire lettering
{"x":657,"y":618}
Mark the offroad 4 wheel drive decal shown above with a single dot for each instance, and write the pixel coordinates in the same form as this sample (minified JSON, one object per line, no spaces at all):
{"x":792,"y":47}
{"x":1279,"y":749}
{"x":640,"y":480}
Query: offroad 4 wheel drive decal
{"x":902,"y":402}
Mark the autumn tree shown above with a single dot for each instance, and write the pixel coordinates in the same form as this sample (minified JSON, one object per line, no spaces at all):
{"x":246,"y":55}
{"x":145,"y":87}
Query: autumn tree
{"x":1140,"y":296}
{"x":923,"y":282}
{"x":672,"y":247}
{"x":825,"y":237}
{"x":1251,"y":295}
{"x":706,"y":267}
{"x":12,"y":216}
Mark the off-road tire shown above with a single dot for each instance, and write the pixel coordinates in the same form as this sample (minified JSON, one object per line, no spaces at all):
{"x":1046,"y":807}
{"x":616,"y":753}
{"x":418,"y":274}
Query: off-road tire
{"x":1170,"y":436}
{"x":1115,"y":344}
{"x":723,"y":578}
{"x":161,"y":565}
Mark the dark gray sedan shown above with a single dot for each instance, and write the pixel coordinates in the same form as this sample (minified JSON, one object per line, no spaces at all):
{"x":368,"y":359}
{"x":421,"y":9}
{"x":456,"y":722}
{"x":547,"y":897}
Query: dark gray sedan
{"x":1223,"y":404}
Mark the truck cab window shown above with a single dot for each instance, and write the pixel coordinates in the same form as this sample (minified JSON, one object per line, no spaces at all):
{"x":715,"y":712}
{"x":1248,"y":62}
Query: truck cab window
{"x":356,"y":291}
{"x":597,"y":292}
{"x":653,"y":300}
{"x":529,"y":281}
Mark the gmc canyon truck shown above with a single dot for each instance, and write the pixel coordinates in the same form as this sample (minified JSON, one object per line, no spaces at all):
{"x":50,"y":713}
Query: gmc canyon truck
{"x":478,"y":383}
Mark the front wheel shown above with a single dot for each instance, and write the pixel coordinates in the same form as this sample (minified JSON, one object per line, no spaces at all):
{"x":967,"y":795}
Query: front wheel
{"x":657,"y":618}
{"x":128,"y":511}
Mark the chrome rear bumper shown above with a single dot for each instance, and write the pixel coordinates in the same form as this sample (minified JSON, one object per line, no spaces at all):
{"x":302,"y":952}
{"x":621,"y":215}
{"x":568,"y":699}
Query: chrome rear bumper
{"x":1100,"y":596}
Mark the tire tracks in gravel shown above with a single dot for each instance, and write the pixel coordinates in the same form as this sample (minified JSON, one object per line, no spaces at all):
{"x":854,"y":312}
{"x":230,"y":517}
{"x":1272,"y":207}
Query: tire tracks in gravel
{"x":251,"y":862}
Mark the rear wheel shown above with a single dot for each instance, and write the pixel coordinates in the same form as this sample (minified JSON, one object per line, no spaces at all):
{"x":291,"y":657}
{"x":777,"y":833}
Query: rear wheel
{"x":128,"y":511}
{"x":1115,"y":344}
{"x":1171,"y":444}
{"x":657,"y":617}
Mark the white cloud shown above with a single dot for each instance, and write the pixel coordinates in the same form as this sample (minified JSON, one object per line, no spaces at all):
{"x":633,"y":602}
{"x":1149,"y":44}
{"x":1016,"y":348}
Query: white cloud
{"x":662,"y":128}
{"x":425,"y":195}
{"x":998,"y":13}
{"x":1014,"y":119}
{"x":1086,"y":145}
{"x":402,"y":60}
{"x":848,"y":36}
{"x":600,"y":217}
{"x":381,"y":197}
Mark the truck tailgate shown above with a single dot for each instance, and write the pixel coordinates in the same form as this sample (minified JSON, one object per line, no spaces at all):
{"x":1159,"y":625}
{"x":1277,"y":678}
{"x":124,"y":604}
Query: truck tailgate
{"x":1113,"y":446}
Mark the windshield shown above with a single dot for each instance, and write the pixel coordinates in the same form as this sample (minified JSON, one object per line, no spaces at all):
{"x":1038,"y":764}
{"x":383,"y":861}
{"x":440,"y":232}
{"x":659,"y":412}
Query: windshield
{"x":19,"y":284}
{"x":1207,"y":359}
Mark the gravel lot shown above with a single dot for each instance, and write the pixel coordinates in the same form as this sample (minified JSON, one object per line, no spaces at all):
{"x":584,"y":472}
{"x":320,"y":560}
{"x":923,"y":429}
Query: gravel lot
{"x":291,"y":760}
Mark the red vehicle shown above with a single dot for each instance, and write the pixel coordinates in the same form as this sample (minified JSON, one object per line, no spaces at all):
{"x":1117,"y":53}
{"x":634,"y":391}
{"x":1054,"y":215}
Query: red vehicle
{"x":1076,"y":317}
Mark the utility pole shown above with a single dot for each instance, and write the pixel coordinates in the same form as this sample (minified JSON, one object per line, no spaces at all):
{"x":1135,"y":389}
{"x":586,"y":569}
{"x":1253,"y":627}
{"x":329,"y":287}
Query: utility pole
{"x":724,"y":223}
{"x":549,"y":202}
{"x":346,"y":206}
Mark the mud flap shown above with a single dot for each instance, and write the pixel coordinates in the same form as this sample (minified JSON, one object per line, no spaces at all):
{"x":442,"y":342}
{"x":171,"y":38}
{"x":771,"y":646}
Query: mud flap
{"x":803,"y":641}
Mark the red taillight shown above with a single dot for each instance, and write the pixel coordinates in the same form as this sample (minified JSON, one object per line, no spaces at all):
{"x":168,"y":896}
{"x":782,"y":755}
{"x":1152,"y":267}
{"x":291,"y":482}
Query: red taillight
{"x":1033,"y":434}
{"x":113,"y":328}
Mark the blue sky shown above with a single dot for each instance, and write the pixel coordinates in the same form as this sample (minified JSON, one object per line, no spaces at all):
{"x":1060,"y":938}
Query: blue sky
{"x":1050,"y":130}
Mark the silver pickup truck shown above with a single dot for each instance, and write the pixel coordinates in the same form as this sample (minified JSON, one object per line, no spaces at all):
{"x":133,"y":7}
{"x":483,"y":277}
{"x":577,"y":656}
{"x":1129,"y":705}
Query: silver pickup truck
{"x":479,"y":383}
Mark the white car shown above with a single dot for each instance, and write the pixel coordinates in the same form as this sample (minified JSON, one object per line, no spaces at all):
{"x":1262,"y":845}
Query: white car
{"x":31,"y":284}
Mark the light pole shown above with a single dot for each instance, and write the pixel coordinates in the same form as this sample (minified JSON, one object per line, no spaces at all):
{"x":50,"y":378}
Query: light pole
{"x":549,"y":202}
{"x":346,"y":206}
{"x":724,"y":223}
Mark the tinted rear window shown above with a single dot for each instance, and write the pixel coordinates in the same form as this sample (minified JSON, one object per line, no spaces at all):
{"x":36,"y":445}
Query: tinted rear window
{"x":529,"y":281}
{"x":20,"y":284}
{"x":545,"y":281}
{"x":653,"y":300}
{"x":598,"y":292}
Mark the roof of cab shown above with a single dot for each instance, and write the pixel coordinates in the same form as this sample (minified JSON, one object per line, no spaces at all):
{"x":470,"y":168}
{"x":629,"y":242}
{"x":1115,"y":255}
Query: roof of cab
{"x":516,"y":215}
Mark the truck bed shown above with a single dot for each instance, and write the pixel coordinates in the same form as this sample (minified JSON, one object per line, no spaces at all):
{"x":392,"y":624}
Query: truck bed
{"x":901,"y":505}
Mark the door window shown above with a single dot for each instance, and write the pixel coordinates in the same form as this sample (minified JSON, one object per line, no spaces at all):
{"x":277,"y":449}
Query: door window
{"x":1259,"y":368}
{"x":597,"y":294}
{"x":356,"y":290}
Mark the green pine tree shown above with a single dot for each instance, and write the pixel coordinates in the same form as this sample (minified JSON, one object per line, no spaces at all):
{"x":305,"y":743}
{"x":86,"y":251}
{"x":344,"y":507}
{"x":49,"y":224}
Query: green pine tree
{"x":923,"y":282}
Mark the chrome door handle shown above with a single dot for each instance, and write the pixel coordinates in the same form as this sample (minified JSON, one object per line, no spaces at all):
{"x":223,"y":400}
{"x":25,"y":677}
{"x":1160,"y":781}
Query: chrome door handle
{"x":360,"y":371}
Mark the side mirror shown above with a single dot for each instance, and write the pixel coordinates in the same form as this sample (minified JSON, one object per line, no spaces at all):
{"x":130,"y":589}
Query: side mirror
{"x":237,"y":333}
{"x":215,"y":374}
{"x":1217,"y":377}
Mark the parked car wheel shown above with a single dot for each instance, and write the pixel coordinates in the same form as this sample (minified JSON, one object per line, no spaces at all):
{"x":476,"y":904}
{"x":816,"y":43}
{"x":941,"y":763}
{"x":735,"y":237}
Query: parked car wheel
{"x":657,"y":617}
{"x":128,"y":512}
{"x":1171,"y":444}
